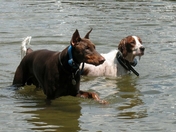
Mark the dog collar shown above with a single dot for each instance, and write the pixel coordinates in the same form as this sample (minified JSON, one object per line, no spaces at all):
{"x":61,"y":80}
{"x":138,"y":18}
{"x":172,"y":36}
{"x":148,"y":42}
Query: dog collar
{"x":75,"y":67}
{"x":126,"y":64}
{"x":71,"y":62}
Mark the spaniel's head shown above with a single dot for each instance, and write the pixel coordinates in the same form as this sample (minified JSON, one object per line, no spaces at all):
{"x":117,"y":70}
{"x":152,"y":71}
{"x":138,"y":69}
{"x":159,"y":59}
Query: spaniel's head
{"x":130,"y":47}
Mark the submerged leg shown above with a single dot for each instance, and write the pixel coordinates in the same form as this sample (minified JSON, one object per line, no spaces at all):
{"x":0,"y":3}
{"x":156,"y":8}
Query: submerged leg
{"x":91,"y":95}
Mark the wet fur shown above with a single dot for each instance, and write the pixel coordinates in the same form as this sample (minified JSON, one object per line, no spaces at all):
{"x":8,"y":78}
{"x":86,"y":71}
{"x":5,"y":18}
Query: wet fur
{"x":50,"y":69}
{"x":130,"y":47}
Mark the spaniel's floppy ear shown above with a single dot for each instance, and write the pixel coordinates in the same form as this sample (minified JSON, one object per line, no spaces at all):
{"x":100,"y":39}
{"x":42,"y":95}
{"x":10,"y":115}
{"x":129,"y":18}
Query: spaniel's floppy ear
{"x":122,"y":47}
{"x":75,"y":38}
{"x":87,"y":35}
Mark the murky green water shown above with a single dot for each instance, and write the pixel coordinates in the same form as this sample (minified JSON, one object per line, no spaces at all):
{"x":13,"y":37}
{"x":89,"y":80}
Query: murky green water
{"x":144,"y":103}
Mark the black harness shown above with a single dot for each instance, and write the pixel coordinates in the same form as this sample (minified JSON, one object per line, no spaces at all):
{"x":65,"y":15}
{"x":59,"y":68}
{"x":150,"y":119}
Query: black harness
{"x":126,"y":64}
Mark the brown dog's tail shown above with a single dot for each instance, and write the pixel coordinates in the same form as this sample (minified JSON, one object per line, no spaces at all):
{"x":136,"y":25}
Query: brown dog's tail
{"x":25,"y":42}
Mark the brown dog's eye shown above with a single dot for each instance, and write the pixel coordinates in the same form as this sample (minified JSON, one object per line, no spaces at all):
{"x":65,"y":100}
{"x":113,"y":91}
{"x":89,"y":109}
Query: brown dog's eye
{"x":87,"y":47}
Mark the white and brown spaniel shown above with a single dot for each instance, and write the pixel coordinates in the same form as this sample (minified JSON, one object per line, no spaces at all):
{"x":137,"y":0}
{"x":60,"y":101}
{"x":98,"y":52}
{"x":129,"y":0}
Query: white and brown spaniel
{"x":118,"y":62}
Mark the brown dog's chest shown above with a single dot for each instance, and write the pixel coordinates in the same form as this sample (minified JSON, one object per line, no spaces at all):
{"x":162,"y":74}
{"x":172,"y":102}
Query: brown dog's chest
{"x":61,"y":84}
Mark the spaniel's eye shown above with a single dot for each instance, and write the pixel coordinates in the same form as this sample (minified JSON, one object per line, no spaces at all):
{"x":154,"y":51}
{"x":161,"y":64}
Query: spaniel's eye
{"x":133,"y":42}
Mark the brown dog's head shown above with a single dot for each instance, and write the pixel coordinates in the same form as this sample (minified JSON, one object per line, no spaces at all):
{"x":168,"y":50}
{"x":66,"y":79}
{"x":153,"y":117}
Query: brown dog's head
{"x":84,"y":50}
{"x":130,"y":47}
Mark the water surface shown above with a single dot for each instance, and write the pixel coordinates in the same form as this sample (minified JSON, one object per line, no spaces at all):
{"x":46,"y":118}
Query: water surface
{"x":144,"y":103}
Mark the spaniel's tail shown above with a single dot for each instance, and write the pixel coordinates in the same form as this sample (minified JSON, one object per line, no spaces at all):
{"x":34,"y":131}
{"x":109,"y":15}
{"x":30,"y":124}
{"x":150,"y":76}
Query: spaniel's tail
{"x":24,"y":44}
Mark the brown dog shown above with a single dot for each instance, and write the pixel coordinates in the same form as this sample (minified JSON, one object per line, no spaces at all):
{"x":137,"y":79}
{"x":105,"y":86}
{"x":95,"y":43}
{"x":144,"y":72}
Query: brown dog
{"x":58,"y":73}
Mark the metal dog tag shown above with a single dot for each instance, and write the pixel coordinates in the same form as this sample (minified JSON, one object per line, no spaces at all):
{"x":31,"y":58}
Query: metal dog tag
{"x":73,"y":81}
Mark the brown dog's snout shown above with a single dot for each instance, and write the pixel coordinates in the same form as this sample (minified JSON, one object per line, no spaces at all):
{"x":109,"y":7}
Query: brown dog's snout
{"x":96,"y":59}
{"x":102,"y":59}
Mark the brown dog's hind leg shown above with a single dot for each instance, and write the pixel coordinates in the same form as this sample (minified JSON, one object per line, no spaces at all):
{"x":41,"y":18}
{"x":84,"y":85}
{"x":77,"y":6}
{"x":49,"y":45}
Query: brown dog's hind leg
{"x":19,"y":79}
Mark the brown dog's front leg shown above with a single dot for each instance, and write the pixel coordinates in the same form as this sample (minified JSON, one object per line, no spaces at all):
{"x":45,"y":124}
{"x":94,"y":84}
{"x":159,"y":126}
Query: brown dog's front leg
{"x":91,"y":95}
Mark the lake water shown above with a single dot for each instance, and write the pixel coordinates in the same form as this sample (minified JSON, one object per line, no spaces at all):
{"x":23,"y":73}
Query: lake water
{"x":144,"y":103}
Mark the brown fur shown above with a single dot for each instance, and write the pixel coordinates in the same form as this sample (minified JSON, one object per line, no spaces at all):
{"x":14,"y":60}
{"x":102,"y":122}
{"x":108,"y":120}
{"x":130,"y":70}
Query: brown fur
{"x":126,"y":45}
{"x":50,"y":69}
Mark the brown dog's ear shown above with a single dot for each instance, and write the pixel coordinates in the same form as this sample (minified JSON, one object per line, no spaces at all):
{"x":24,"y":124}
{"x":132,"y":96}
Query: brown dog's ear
{"x":122,"y":47}
{"x":87,"y":35}
{"x":75,"y":38}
